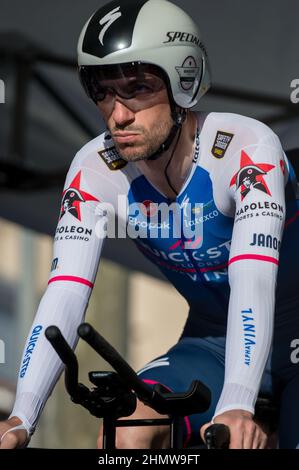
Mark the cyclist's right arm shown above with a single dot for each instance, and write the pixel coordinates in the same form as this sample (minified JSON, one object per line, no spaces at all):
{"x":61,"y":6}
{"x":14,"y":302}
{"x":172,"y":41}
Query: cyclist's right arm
{"x":76,"y":257}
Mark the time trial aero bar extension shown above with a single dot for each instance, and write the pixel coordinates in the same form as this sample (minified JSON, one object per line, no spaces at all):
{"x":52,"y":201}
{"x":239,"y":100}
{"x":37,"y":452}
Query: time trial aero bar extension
{"x":115,"y":393}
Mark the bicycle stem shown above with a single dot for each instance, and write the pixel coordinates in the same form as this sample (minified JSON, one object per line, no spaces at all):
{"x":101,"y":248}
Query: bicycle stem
{"x":105,"y":350}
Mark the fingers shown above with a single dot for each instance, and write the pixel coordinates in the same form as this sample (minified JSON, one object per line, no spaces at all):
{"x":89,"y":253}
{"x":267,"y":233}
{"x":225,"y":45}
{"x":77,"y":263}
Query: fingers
{"x":245,"y":433}
{"x":13,"y":434}
{"x":260,"y":441}
{"x":14,"y":437}
{"x":9,"y":441}
{"x":260,"y":438}
{"x":236,"y":439}
{"x":250,"y":435}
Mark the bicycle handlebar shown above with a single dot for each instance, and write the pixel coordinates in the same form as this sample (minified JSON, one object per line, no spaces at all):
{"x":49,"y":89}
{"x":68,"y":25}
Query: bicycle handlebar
{"x":122,"y":401}
{"x":217,"y":436}
{"x":76,"y":390}
{"x":195,"y":400}
{"x":104,"y":349}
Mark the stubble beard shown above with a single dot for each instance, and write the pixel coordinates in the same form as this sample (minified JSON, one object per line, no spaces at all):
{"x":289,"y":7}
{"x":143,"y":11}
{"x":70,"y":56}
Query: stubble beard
{"x":150,"y":143}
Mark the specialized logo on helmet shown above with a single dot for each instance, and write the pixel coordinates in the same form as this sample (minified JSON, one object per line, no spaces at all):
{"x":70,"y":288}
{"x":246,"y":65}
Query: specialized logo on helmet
{"x":251,"y":175}
{"x":73,"y":197}
{"x":188,"y":73}
{"x":179,"y":36}
{"x":107,"y":21}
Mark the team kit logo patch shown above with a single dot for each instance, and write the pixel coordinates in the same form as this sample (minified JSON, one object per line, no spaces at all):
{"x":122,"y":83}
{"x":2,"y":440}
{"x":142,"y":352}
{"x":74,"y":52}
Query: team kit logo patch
{"x":222,"y":141}
{"x":112,"y":158}
{"x":251,"y":175}
{"x":188,"y":72}
{"x":73,"y":197}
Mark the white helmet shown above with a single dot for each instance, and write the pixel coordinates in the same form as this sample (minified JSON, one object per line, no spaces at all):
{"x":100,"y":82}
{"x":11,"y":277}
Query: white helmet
{"x":153,"y":32}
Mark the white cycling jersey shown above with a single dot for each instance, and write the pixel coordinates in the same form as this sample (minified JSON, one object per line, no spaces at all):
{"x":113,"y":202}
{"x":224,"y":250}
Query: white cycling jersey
{"x":243,"y":186}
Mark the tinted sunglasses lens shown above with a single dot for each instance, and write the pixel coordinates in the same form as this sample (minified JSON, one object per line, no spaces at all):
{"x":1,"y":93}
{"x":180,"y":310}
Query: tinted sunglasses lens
{"x":98,"y":93}
{"x":128,"y":81}
{"x":140,"y":88}
{"x":91,"y":85}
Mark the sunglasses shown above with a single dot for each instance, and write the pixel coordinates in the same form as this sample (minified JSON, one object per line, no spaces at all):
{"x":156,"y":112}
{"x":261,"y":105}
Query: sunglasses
{"x":138,"y":85}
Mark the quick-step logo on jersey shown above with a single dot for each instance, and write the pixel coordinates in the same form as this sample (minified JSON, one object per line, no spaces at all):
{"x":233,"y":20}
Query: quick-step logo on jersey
{"x":251,"y":175}
{"x":29,"y":349}
{"x":209,"y":264}
{"x":72,"y":197}
{"x":201,"y":259}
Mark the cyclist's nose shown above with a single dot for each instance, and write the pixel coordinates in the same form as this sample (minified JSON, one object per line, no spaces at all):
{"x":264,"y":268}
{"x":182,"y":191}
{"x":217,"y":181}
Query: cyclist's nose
{"x":121,"y":114}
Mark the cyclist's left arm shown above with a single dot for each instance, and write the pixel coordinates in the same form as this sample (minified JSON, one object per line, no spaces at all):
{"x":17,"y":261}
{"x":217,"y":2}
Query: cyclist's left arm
{"x":253,"y":265}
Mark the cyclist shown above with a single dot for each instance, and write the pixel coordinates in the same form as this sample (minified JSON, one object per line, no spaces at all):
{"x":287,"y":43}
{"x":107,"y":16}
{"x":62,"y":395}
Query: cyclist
{"x":144,"y":65}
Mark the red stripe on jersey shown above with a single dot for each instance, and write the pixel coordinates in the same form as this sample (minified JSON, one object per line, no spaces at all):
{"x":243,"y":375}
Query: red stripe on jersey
{"x":256,"y":257}
{"x":214,"y":268}
{"x":72,"y":279}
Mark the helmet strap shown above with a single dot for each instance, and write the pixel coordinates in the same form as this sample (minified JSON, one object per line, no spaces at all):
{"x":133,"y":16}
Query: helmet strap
{"x":178,"y":120}
{"x":170,"y":160}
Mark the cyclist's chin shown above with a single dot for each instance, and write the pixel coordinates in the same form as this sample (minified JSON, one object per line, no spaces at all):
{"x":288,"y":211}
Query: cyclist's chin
{"x":133,"y":152}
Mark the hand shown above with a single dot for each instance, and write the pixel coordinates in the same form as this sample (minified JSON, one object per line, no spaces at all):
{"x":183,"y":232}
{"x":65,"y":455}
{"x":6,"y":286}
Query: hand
{"x":140,"y":437}
{"x":244,"y":432}
{"x":13,"y":439}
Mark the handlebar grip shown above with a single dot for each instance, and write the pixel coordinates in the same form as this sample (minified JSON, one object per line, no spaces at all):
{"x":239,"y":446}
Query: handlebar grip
{"x":217,"y":436}
{"x":68,"y":357}
{"x":102,"y":347}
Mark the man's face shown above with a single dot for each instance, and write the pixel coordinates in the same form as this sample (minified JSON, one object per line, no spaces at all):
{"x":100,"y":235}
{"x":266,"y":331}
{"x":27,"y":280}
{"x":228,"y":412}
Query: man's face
{"x":138,"y":125}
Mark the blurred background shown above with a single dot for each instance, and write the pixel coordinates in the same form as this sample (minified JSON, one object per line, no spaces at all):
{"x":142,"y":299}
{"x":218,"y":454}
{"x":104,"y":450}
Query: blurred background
{"x":46,"y":119}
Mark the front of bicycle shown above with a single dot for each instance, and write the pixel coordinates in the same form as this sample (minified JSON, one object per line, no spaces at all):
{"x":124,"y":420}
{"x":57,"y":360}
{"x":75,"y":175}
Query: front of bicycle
{"x":115,"y":394}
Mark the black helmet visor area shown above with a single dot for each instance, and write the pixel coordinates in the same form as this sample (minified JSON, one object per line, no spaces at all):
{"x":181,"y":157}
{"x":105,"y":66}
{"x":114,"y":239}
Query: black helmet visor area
{"x":139,"y":84}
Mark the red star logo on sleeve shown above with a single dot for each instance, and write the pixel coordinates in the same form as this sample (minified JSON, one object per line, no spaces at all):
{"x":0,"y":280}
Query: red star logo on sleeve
{"x":251,"y":175}
{"x":73,"y":196}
